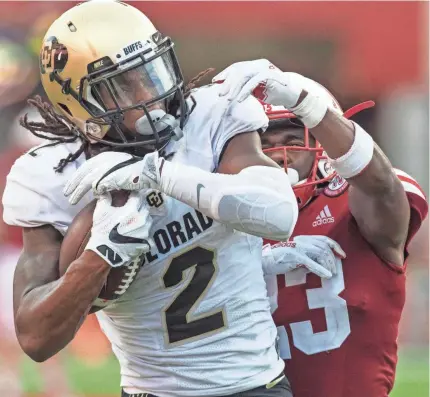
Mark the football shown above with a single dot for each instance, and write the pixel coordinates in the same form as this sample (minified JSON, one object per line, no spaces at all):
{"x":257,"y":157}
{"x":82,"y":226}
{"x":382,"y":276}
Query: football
{"x":74,"y":243}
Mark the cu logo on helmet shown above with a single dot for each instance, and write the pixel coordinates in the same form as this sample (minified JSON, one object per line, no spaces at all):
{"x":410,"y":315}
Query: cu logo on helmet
{"x":155,"y":199}
{"x":53,"y":57}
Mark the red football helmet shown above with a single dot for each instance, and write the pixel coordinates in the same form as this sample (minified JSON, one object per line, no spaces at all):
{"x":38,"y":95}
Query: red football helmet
{"x":321,"y":170}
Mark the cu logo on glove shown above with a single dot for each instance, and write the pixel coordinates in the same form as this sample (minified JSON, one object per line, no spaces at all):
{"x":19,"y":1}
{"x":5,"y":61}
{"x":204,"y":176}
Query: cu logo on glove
{"x":155,"y":199}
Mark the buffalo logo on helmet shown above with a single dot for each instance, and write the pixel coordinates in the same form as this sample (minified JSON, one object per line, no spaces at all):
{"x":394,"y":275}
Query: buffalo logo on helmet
{"x":53,"y":56}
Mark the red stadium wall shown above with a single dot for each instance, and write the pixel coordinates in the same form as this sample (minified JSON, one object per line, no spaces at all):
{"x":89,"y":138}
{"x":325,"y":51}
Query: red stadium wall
{"x":362,"y":30}
{"x":375,"y":53}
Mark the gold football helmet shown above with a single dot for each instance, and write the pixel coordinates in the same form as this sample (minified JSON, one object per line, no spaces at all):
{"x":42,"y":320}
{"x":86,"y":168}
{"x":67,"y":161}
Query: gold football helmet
{"x":107,"y":69}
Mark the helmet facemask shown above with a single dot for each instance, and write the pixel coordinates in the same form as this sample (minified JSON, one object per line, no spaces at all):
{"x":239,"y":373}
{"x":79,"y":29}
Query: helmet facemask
{"x":321,"y":171}
{"x":150,"y":80}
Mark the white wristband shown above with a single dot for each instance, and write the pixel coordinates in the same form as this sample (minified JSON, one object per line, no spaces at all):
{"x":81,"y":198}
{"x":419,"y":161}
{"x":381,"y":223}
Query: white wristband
{"x":358,"y":157}
{"x":311,"y":110}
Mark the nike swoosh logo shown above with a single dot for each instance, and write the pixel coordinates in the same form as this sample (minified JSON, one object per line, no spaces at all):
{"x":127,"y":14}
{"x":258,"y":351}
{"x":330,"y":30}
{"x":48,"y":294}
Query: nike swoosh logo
{"x":199,"y":187}
{"x":118,"y":238}
{"x":134,"y":159}
{"x":274,"y":382}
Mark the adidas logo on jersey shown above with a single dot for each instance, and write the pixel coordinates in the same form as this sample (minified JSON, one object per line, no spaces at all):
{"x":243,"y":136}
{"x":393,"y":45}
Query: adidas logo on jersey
{"x":323,"y":218}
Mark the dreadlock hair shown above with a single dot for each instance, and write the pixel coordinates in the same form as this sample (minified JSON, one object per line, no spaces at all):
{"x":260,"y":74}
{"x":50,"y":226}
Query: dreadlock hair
{"x":55,"y":128}
{"x":193,"y":82}
{"x":58,"y":129}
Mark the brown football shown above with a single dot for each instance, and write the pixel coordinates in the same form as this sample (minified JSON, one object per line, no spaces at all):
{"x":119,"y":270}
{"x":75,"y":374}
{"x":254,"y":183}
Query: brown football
{"x":74,"y":243}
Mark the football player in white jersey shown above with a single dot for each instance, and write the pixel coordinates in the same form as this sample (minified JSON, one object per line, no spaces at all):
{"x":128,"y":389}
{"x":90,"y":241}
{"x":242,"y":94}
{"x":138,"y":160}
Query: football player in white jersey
{"x":196,"y":321}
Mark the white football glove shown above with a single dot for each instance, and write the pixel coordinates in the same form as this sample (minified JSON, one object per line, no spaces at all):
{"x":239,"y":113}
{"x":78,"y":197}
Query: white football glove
{"x":120,"y":234}
{"x":235,"y":76}
{"x":315,"y":253}
{"x":274,"y":86}
{"x":111,"y":171}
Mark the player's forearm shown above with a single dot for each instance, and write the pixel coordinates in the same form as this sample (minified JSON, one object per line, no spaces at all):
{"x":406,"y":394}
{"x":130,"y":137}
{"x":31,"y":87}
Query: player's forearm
{"x":337,"y":134}
{"x":259,"y":200}
{"x":377,"y":199}
{"x":50,"y":315}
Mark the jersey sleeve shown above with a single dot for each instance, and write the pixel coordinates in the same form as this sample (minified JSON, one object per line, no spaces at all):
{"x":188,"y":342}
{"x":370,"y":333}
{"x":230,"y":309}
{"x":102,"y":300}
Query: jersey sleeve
{"x":33,"y":194}
{"x":417,"y":201}
{"x":213,"y":121}
{"x":246,"y":116}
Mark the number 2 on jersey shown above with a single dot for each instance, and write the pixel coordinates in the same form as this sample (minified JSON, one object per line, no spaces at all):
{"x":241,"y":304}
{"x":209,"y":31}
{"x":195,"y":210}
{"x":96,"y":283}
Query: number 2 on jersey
{"x":336,"y":313}
{"x":180,"y":323}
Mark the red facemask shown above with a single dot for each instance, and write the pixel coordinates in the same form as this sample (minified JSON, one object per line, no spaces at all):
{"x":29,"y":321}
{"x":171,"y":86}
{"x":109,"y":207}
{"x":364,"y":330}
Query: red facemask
{"x":321,"y":170}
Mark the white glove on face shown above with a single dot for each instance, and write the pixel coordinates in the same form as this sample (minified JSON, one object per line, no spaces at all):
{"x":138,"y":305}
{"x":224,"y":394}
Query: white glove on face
{"x":120,"y":234}
{"x":315,"y":253}
{"x":111,"y":171}
{"x":261,"y":79}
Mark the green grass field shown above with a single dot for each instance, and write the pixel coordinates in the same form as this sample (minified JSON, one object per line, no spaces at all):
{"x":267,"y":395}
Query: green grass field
{"x":412,"y":374}
{"x":412,"y":377}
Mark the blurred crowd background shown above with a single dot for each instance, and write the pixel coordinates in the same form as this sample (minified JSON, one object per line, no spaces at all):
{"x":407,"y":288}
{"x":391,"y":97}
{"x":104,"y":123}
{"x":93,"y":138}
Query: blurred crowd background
{"x":359,"y":50}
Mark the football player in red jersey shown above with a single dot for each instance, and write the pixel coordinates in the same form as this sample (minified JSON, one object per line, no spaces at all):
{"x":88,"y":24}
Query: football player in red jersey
{"x":338,"y":336}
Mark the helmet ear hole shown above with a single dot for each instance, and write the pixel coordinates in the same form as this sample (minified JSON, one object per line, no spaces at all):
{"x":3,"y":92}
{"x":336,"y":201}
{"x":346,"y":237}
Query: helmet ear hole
{"x":65,"y":108}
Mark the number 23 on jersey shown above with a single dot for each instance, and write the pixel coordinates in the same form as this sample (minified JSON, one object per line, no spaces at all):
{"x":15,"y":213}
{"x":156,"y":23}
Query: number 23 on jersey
{"x":336,"y":313}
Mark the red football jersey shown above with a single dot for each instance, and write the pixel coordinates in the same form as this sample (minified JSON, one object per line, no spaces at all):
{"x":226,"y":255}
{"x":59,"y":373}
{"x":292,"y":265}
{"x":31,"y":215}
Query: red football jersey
{"x":339,"y":336}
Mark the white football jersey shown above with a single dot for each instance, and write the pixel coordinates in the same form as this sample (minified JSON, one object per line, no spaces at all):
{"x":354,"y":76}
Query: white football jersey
{"x":197,"y":320}
{"x":33,"y":194}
